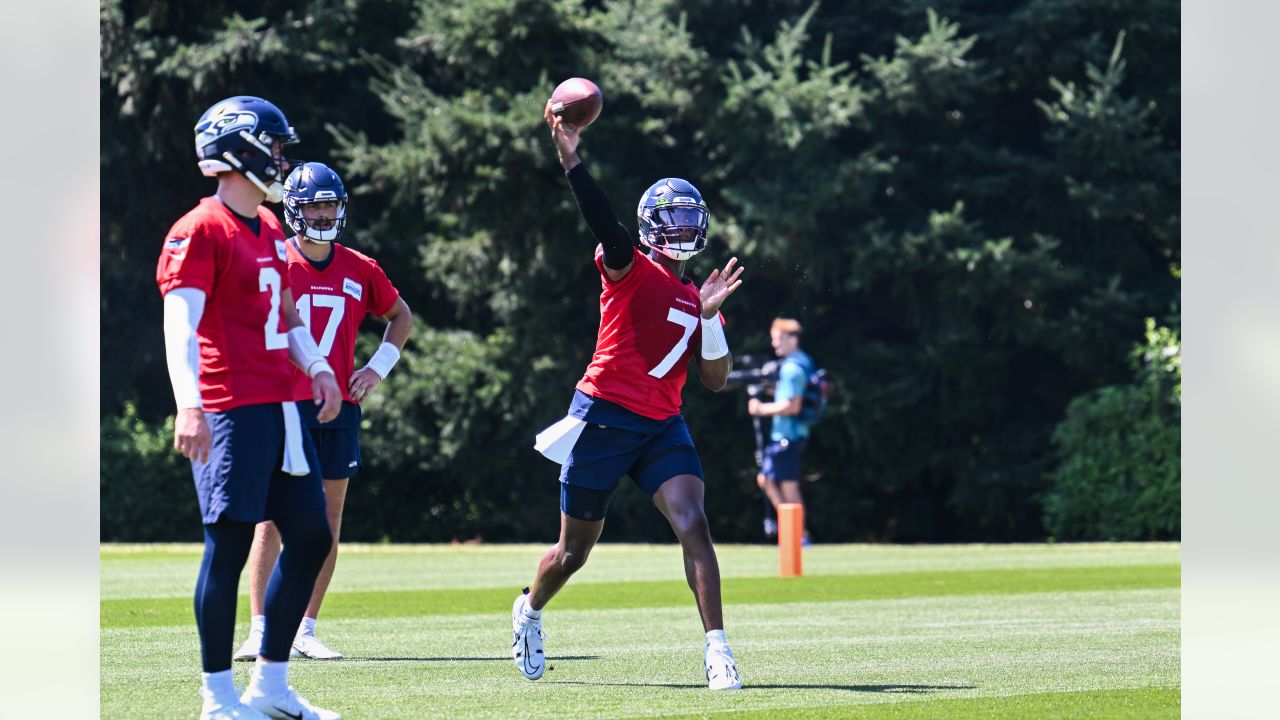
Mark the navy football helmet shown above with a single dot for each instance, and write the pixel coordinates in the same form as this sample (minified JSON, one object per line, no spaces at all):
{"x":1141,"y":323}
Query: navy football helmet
{"x":313,"y":182}
{"x":236,"y":134}
{"x":673,"y":218}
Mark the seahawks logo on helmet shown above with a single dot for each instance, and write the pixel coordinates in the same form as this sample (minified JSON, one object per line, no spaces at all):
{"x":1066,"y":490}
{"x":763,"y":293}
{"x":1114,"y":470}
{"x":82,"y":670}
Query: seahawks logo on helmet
{"x":673,"y":218}
{"x":224,"y":123}
{"x":237,"y":135}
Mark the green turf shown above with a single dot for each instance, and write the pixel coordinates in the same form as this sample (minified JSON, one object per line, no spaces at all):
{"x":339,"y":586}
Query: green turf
{"x":1116,"y":704}
{"x":404,"y":603}
{"x":1022,"y":631}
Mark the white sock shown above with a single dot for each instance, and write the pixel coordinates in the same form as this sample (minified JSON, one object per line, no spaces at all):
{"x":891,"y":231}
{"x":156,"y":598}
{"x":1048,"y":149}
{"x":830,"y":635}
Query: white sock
{"x":308,"y":626}
{"x":270,"y":677}
{"x":221,"y":687}
{"x":258,"y":623}
{"x":716,"y":638}
{"x":529,"y":612}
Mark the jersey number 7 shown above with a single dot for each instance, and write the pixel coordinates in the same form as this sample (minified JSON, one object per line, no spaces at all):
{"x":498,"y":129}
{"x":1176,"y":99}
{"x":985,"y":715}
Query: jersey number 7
{"x":686,"y":321}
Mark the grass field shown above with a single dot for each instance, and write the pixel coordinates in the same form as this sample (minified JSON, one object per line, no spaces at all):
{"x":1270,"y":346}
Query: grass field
{"x":962,"y":631}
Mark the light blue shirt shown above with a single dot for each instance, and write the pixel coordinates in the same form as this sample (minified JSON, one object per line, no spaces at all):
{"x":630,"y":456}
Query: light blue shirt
{"x":793,"y":376}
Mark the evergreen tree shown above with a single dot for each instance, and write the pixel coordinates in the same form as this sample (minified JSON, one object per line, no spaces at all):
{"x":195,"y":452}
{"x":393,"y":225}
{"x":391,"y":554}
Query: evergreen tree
{"x":972,"y":207}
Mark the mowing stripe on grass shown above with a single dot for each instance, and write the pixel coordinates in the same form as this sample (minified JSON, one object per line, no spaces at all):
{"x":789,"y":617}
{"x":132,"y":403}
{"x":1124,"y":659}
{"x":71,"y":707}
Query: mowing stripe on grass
{"x":1131,"y":704}
{"x":153,"y":612}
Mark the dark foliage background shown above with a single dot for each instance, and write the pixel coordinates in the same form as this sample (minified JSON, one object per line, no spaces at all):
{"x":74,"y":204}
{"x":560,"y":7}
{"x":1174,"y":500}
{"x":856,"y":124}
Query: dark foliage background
{"x":973,"y":207}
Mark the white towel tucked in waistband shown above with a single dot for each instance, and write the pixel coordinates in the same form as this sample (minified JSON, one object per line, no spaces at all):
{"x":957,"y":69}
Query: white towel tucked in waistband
{"x":558,"y":440}
{"x":295,"y":458}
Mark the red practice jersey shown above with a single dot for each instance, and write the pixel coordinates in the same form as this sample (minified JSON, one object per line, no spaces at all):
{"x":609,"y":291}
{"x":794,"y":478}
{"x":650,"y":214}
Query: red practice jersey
{"x":649,"y":325}
{"x":244,"y":348}
{"x":333,"y":300}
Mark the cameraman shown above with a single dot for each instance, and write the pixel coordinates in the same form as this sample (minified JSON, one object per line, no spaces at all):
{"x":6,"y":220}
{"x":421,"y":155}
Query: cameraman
{"x":779,"y":475}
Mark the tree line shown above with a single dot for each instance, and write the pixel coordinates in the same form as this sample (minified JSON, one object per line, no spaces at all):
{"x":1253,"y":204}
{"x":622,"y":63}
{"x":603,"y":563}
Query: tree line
{"x":973,"y":208}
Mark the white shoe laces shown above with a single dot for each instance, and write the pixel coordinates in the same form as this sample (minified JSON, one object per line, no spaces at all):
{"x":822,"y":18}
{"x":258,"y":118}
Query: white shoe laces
{"x":535,"y":625}
{"x":720,"y":656}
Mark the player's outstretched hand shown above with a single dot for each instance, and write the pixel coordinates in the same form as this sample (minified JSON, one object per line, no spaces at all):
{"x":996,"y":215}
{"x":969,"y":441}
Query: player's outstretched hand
{"x":720,"y":285}
{"x":566,"y":140}
{"x":191,"y":434}
{"x":362,"y":382}
{"x":324,"y":388}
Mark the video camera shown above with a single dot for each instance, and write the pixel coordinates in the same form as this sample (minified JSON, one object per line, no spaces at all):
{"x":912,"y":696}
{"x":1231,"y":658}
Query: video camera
{"x":758,"y":374}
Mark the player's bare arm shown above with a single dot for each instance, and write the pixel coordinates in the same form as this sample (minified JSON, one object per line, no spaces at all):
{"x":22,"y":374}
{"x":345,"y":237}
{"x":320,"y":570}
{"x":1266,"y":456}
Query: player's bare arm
{"x":714,"y":373}
{"x":399,"y":324}
{"x":324,"y":387}
{"x":191,"y":434}
{"x":779,"y":407}
{"x":565,"y":139}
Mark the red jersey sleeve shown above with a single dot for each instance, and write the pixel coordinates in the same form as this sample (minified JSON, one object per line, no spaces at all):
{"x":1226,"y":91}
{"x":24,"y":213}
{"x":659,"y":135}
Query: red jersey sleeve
{"x":382,"y":294}
{"x":187,"y":258}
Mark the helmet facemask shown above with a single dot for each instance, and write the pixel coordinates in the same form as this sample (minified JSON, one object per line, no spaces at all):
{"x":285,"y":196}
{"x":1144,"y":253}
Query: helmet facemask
{"x":677,"y":230}
{"x":320,"y":230}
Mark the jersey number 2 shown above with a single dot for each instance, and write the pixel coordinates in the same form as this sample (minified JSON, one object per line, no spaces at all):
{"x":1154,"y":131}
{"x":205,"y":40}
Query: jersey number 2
{"x":686,"y":321}
{"x":269,"y":279}
{"x":338,"y":307}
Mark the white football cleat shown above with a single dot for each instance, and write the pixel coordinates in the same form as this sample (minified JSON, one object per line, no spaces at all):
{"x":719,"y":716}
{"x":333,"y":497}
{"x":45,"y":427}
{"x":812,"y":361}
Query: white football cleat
{"x":251,"y":647}
{"x":314,"y":648}
{"x":722,"y":671}
{"x":526,"y":640}
{"x":288,"y":705}
{"x":238,"y":711}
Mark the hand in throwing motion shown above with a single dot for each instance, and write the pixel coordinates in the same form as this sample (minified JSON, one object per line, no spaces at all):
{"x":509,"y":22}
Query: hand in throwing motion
{"x":720,"y":285}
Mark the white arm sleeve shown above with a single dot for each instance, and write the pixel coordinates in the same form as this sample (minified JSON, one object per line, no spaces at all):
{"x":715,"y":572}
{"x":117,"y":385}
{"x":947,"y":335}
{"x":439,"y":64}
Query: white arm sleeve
{"x":183,"y":308}
{"x":304,"y":352}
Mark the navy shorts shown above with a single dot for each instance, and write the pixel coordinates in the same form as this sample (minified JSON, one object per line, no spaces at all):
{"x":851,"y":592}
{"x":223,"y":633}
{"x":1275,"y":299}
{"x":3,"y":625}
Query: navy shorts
{"x":617,"y":442}
{"x":337,"y":442}
{"x":782,"y":459}
{"x":242,"y":479}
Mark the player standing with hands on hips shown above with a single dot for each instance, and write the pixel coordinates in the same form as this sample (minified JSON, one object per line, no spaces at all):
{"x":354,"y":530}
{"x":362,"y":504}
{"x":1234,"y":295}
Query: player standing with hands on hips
{"x":625,"y":415}
{"x":336,"y":287}
{"x":231,"y":330}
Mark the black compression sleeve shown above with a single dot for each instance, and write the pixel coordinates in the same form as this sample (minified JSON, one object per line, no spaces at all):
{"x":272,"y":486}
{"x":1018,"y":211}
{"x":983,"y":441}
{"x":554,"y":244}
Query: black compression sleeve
{"x":598,"y":212}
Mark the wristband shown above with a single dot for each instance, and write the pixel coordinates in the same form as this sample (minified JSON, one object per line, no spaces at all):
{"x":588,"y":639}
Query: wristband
{"x":320,"y":366}
{"x":304,"y":352}
{"x":384,"y":359}
{"x":714,"y":345}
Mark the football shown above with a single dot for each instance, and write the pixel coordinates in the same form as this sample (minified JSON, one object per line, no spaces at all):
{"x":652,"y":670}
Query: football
{"x":578,"y":101}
